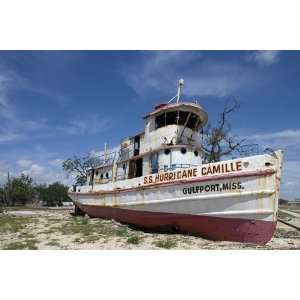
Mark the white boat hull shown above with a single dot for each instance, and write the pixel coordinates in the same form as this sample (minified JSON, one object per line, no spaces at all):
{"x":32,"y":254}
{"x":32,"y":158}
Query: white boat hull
{"x":233,"y":200}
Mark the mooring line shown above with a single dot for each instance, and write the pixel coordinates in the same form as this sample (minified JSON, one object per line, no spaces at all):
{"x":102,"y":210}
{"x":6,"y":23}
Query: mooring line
{"x":289,"y":224}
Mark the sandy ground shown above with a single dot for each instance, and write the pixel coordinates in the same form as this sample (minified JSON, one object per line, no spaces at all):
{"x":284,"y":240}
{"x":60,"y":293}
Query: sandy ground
{"x":58,"y":229}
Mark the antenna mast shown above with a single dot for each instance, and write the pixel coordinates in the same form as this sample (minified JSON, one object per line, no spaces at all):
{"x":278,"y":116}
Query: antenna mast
{"x":105,"y":152}
{"x":180,"y":86}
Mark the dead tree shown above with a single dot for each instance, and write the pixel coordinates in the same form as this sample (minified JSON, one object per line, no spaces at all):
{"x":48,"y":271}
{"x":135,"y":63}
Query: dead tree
{"x":79,"y":166}
{"x":218,"y":141}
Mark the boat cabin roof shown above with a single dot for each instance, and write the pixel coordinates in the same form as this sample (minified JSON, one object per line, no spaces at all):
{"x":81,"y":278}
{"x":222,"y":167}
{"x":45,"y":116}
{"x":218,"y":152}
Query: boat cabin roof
{"x":181,"y":106}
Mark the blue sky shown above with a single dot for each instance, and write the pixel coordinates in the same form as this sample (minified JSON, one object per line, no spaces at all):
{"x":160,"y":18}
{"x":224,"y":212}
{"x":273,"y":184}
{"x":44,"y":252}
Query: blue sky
{"x":54,"y":104}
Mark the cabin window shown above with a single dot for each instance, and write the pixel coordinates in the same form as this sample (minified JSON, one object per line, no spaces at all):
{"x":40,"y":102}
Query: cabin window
{"x":177,"y":117}
{"x":160,"y":121}
{"x":136,"y":145}
{"x":182,"y":115}
{"x":135,"y":168}
{"x":167,"y":151}
{"x":183,"y":150}
{"x":154,"y":163}
{"x":171,"y":118}
{"x":196,"y":153}
{"x":139,"y":167}
{"x":192,"y":121}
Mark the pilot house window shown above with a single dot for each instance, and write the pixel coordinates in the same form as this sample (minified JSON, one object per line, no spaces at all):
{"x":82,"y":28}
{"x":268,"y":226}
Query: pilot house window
{"x":182,"y":118}
{"x":160,"y":121}
{"x":192,"y":121}
{"x":171,"y":118}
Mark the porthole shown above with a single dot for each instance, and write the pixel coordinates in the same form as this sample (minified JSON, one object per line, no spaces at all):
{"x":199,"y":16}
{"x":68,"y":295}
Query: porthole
{"x":101,"y":176}
{"x":167,"y":151}
{"x":106,"y":175}
{"x":196,"y":153}
{"x":183,"y":150}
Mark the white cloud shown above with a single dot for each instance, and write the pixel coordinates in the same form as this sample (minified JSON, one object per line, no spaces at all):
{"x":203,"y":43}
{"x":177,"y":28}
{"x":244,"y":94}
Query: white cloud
{"x":56,"y":162}
{"x":7,"y":136}
{"x":88,"y":125}
{"x":283,"y":138}
{"x":34,"y":170}
{"x":290,"y":180}
{"x":289,"y":141}
{"x":15,"y":128}
{"x":6,"y":110}
{"x":162,"y":70}
{"x":40,"y":171}
{"x":265,"y":57}
{"x":24,"y":163}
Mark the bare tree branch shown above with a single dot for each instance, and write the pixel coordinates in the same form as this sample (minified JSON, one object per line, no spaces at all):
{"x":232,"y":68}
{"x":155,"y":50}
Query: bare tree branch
{"x":218,"y":141}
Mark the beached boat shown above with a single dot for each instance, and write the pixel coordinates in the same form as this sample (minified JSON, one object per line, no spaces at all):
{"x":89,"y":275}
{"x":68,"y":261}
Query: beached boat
{"x":157,"y":180}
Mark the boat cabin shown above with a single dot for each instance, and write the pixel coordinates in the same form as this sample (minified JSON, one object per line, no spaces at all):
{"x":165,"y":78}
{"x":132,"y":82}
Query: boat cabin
{"x":170,"y":141}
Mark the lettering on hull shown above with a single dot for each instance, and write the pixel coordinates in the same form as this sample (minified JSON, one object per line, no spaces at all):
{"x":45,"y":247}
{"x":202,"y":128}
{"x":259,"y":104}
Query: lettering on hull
{"x":214,"y":187}
{"x":221,"y":168}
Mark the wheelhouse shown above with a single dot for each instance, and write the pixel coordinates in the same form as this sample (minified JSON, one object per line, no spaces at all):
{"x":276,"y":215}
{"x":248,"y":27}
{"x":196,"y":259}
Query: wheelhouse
{"x":171,"y":140}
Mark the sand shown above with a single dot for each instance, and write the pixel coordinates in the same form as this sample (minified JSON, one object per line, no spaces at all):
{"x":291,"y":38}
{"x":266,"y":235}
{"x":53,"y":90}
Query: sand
{"x":58,"y":229}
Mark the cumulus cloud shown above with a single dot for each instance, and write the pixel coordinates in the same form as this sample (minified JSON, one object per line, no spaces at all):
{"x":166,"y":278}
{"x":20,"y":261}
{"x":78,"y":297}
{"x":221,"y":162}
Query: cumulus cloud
{"x":34,"y":170}
{"x":265,"y":57}
{"x":41,"y":171}
{"x":24,"y":163}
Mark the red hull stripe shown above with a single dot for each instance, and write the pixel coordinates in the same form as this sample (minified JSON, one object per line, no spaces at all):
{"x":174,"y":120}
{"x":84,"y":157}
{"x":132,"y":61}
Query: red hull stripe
{"x":180,"y":182}
{"x":213,"y":228}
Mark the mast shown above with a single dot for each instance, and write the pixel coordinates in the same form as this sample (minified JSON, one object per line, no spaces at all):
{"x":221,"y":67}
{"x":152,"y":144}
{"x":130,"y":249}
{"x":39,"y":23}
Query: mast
{"x":180,"y":86}
{"x":105,"y":152}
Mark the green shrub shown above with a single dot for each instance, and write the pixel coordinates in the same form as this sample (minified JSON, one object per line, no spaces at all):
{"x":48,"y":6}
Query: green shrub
{"x":134,"y":239}
{"x":167,"y":243}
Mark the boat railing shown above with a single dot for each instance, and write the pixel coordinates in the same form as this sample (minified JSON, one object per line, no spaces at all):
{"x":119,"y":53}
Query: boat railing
{"x":248,"y":150}
{"x":105,"y":159}
{"x":125,"y":154}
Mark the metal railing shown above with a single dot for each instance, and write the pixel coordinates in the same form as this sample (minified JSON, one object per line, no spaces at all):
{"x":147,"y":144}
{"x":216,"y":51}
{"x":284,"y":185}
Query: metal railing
{"x":105,"y":159}
{"x":248,"y":150}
